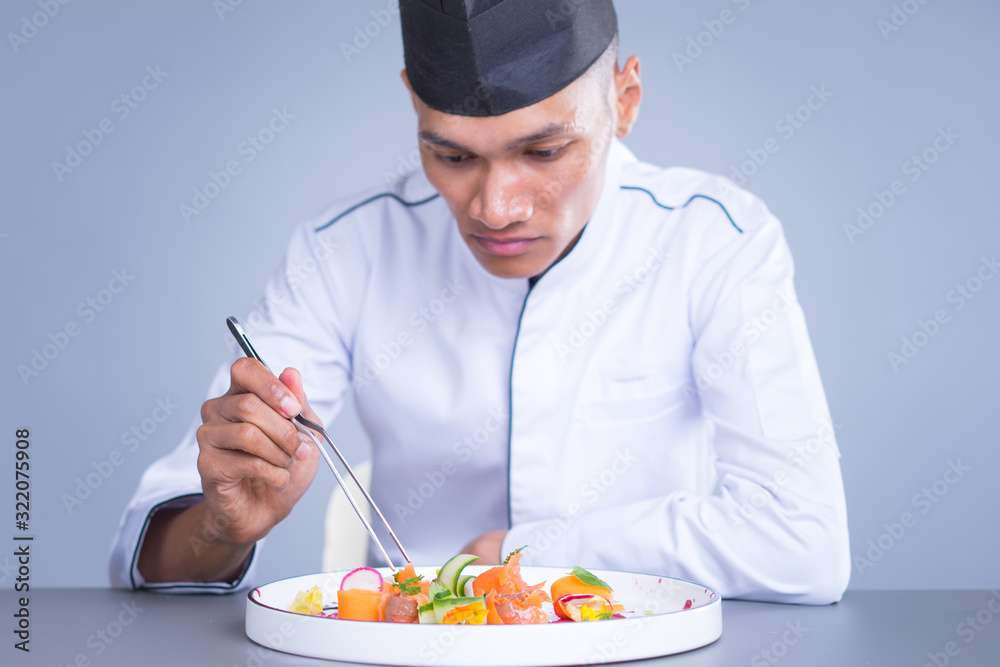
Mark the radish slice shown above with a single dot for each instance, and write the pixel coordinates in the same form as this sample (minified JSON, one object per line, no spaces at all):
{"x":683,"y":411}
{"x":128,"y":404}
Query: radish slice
{"x":363,"y":578}
{"x":572,"y":606}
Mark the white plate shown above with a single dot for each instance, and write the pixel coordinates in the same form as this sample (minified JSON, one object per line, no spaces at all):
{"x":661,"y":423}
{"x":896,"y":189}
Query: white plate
{"x":665,"y":616}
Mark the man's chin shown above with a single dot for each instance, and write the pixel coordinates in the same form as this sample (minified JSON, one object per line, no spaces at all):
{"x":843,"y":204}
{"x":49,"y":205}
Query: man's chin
{"x":521,"y":267}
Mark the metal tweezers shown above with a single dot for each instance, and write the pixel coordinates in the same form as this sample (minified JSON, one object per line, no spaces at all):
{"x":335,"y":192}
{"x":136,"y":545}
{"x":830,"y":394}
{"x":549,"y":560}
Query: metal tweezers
{"x":304,"y":425}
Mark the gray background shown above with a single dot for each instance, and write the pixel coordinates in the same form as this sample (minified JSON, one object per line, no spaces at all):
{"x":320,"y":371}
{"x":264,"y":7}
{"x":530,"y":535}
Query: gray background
{"x":164,"y":336}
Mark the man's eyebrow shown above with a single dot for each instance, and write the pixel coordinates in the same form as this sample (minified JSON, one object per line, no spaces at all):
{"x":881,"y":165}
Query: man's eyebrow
{"x":432,"y":137}
{"x":550,"y":130}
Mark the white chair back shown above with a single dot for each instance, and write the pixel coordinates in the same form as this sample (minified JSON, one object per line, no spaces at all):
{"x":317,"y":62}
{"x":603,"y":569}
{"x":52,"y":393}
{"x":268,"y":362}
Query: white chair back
{"x":345,"y":543}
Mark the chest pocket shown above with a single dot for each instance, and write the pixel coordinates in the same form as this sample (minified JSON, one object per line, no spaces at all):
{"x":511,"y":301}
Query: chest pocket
{"x":632,"y":399}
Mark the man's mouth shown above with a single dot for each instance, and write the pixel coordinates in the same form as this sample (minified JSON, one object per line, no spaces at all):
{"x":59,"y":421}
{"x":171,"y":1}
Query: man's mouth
{"x":504,"y":247}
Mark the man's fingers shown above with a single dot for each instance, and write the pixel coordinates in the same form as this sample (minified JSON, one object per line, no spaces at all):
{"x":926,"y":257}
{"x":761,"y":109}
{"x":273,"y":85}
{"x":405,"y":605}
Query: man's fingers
{"x":250,"y":409}
{"x":223,"y":466}
{"x":261,"y":405}
{"x":292,"y":379}
{"x":247,"y":437}
{"x":250,"y":376}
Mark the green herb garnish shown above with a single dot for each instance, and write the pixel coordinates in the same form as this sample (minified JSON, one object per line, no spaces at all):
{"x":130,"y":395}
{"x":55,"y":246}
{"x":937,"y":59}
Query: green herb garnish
{"x":605,"y":615}
{"x":515,"y":551}
{"x":589,"y":578}
{"x":411,"y":586}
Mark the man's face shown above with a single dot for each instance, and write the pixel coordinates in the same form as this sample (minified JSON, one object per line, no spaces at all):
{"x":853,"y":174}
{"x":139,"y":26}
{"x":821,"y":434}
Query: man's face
{"x":522,"y":185}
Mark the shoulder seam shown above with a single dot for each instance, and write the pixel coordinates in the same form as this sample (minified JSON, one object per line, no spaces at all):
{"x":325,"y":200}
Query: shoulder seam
{"x":693,"y":197}
{"x":374,"y":198}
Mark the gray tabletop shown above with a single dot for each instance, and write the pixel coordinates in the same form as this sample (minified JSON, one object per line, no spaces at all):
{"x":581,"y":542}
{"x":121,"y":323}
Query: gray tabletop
{"x":114,"y":627}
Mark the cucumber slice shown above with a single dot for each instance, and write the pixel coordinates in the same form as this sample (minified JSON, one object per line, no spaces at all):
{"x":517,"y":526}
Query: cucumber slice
{"x":465,"y":586}
{"x":452,"y":571}
{"x":436,"y":588}
{"x":426,"y":613}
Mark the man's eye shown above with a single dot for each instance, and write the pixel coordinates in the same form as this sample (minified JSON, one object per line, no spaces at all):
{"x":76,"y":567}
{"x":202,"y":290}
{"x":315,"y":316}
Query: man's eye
{"x":451,"y":159}
{"x":549,"y":154}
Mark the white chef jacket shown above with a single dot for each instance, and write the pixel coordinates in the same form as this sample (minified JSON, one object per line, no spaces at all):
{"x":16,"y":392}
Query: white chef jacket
{"x":651,"y":404}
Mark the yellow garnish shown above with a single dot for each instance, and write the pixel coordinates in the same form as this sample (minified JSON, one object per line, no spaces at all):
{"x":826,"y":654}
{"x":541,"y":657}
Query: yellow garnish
{"x":594,"y":609}
{"x":308,"y":602}
{"x":470,"y":614}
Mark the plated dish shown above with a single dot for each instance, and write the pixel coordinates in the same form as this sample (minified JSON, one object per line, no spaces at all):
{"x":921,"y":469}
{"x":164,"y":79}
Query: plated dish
{"x":651,"y":616}
{"x":496,"y":596}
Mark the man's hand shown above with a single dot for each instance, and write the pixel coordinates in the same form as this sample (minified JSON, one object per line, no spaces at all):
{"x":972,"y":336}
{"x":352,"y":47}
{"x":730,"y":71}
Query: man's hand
{"x":487,"y":546}
{"x":254,"y":464}
{"x":254,"y":467}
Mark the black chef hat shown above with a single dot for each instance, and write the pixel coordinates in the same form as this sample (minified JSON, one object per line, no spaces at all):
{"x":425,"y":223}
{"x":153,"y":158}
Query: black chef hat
{"x":490,"y":57}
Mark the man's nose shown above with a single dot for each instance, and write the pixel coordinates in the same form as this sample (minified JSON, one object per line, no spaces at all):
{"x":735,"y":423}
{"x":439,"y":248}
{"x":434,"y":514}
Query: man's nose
{"x":502,"y":199}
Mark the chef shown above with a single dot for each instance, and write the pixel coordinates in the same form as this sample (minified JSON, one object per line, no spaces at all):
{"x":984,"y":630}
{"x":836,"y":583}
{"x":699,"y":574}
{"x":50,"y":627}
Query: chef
{"x":550,"y":344}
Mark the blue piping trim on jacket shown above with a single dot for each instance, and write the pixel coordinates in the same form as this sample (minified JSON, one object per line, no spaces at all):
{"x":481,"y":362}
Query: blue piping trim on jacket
{"x":510,"y":384}
{"x":510,"y":411}
{"x":376,"y":197}
{"x":218,"y":586}
{"x":693,"y":197}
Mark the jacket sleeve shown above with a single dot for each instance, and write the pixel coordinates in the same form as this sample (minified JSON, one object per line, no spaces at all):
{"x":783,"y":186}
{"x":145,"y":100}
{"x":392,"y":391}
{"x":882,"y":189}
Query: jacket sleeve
{"x":304,"y":322}
{"x":775,"y":526}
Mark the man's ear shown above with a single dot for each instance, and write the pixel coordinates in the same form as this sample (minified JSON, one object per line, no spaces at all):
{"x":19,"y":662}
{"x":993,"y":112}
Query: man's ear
{"x":628,"y":88}
{"x":413,"y":96}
